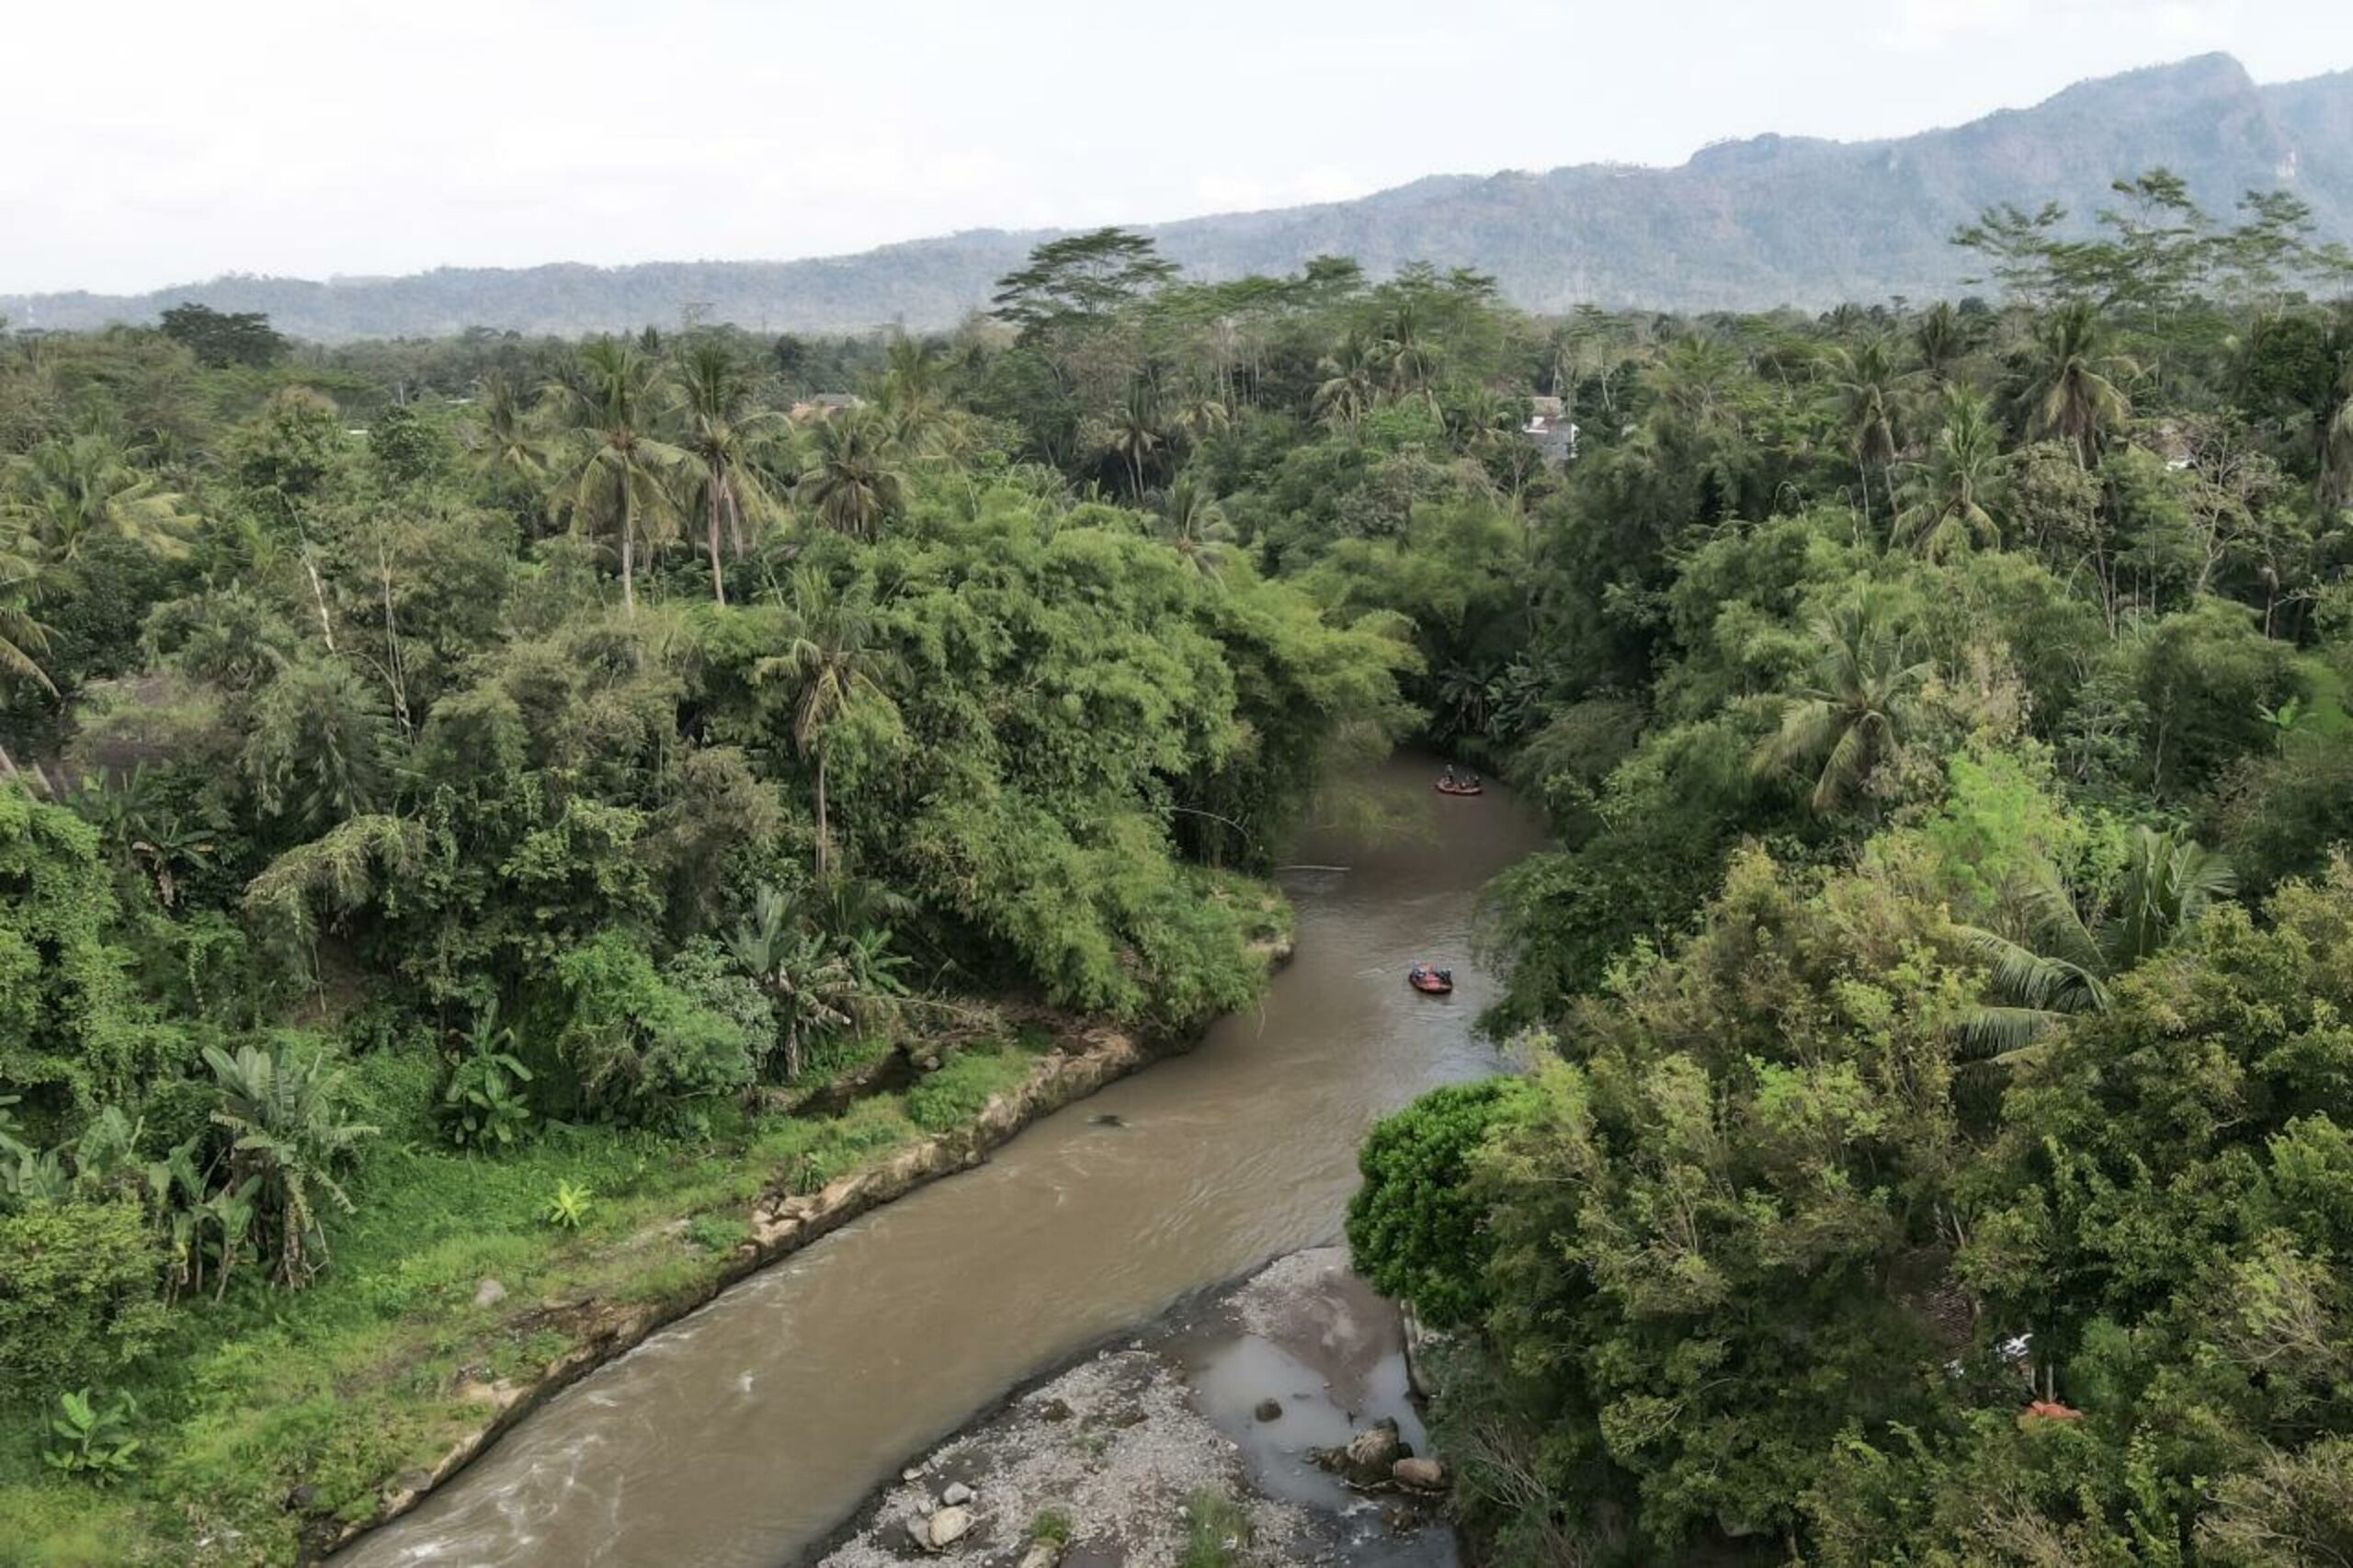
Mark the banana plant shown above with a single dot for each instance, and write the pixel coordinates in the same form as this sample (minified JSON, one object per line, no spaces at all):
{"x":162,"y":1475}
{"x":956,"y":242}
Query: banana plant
{"x":484,"y":1105}
{"x":95,"y":1440}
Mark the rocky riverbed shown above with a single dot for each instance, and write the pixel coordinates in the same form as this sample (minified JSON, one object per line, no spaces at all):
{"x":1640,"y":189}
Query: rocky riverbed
{"x":1270,"y":1417}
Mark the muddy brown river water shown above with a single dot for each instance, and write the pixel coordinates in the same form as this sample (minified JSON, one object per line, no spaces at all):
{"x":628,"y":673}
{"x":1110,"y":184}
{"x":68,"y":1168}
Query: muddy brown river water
{"x":741,"y":1434}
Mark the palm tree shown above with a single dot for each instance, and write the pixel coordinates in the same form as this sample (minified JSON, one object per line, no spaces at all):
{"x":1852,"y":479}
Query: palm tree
{"x":1190,"y":521}
{"x":851,"y":483}
{"x":793,"y":965}
{"x":1346,"y":391}
{"x":2066,"y":962}
{"x":723,"y":431}
{"x":1202,"y":415}
{"x":1136,"y":432}
{"x":503,"y":441}
{"x":1851,"y":716}
{"x":2336,"y":421}
{"x":1406,"y":353}
{"x":1867,"y":384}
{"x":69,"y":489}
{"x":2071,"y":391}
{"x":283,"y":1113}
{"x":836,"y":670}
{"x":1941,"y":339}
{"x":1949,"y":491}
{"x":22,"y":635}
{"x":617,"y":480}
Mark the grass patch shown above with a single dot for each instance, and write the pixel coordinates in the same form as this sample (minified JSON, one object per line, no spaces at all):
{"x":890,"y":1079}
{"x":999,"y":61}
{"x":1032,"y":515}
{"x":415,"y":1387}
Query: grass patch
{"x":1217,"y":1530}
{"x":1050,"y":1526}
{"x":324,"y":1396}
{"x":952,"y":1096}
{"x":2324,"y":690}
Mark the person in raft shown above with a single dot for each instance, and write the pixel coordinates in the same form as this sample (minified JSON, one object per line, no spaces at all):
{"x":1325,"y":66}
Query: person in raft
{"x":1447,"y":777}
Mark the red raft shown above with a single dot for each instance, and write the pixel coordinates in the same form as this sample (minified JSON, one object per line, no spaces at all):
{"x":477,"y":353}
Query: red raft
{"x":1430,"y":981}
{"x":1456,"y":787}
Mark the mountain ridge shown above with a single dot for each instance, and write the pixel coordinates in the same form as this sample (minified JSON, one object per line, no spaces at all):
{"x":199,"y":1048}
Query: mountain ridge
{"x":1745,"y":224}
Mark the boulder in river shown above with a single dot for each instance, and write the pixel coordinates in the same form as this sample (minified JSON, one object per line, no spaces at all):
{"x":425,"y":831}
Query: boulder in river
{"x":1372,"y":1453}
{"x":956,"y":1495}
{"x":949,"y":1526}
{"x":1419,"y":1475}
{"x":1269,"y":1410}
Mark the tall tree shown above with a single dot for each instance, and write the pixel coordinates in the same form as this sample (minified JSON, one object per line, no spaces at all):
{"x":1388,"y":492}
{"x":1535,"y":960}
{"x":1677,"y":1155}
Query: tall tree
{"x":619,"y":477}
{"x":852,"y":481}
{"x":722,"y":431}
{"x":1348,"y":384}
{"x":835,"y":667}
{"x":1137,"y":433}
{"x":1949,"y":491}
{"x":1867,"y":383}
{"x":1851,"y":715}
{"x":2071,"y":390}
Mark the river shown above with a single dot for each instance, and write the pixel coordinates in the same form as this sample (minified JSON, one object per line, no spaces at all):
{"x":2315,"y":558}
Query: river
{"x":743,"y":1433}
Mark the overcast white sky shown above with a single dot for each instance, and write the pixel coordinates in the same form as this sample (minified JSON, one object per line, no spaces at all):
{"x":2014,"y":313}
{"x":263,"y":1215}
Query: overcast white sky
{"x":156,"y":141}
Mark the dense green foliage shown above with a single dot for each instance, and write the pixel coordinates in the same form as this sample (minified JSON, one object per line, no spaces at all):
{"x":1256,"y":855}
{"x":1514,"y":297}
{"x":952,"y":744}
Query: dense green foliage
{"x":1937,"y":1001}
{"x":501,"y":790}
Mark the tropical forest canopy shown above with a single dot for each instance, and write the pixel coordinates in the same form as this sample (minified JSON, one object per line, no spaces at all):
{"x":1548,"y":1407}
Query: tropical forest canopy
{"x":1934,"y":1000}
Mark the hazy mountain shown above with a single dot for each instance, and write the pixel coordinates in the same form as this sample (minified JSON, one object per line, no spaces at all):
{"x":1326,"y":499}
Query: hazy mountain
{"x":1771,"y":220}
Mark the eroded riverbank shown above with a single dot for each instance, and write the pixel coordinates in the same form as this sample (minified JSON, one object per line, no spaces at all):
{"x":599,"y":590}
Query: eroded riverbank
{"x":744,"y":1433}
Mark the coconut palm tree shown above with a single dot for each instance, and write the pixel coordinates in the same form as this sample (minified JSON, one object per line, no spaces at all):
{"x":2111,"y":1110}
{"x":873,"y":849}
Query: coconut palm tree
{"x":2065,"y":961}
{"x":22,"y":635}
{"x":723,"y":432}
{"x":1190,"y":520}
{"x":618,"y":478}
{"x":1948,"y":492}
{"x":2071,"y":390}
{"x":852,"y":481}
{"x":837,"y":669}
{"x":1868,"y":384}
{"x":1405,"y":353}
{"x":283,"y":1112}
{"x":1349,"y":383}
{"x":2334,"y":424}
{"x":501,"y":437}
{"x":1941,"y":339}
{"x":69,"y":489}
{"x":1850,"y":717}
{"x":1137,"y":433}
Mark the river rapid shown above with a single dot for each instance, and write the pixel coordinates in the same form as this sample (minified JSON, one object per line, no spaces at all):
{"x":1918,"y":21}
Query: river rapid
{"x":744,"y":1433}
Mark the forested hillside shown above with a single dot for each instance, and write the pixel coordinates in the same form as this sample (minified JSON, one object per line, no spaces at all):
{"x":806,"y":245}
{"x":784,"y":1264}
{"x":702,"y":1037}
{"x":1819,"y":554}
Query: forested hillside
{"x":482,"y":810}
{"x":1747,"y":225}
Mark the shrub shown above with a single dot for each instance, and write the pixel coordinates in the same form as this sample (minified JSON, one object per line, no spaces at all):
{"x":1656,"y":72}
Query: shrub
{"x":77,"y":1292}
{"x":641,"y":1045}
{"x":1414,"y":1226}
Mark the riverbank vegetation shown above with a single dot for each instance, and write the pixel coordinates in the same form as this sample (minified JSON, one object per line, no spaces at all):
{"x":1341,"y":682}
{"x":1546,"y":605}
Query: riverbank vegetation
{"x":471,"y":800}
{"x":1933,"y":1142}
